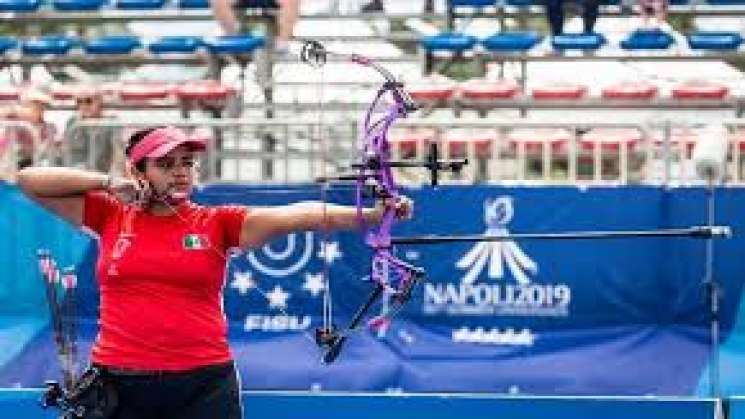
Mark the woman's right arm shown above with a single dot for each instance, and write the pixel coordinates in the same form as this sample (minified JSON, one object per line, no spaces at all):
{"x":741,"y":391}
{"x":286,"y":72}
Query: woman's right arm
{"x":61,"y":189}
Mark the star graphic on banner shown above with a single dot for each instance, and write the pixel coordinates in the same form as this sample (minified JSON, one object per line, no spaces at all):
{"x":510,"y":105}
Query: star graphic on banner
{"x":278,"y":298}
{"x":242,"y":282}
{"x":314,"y":283}
{"x":329,"y":252}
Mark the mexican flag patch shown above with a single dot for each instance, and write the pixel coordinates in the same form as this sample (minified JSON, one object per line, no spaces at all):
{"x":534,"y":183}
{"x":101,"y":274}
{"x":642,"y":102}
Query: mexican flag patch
{"x":195,"y":241}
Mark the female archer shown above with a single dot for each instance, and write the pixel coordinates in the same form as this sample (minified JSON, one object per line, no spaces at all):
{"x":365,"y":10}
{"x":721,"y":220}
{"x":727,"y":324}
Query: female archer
{"x":162,"y":341}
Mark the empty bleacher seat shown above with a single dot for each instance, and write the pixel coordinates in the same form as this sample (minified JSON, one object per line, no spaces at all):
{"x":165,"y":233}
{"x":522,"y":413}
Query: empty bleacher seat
{"x":700,"y":90}
{"x":203,"y":90}
{"x":647,"y":39}
{"x":142,"y":92}
{"x":535,"y":149}
{"x":715,"y":40}
{"x":64,"y":91}
{"x":409,"y":143}
{"x":630,"y":91}
{"x":511,"y":41}
{"x":49,"y":45}
{"x":10,"y":93}
{"x":681,"y":142}
{"x":617,"y":144}
{"x":524,"y":3}
{"x":7,"y":43}
{"x":113,"y":44}
{"x":560,"y":91}
{"x":610,"y":139}
{"x":469,"y":143}
{"x":488,"y":90}
{"x":139,"y":4}
{"x":581,"y":41}
{"x":234,"y":44}
{"x":193,"y":4}
{"x":536,"y":140}
{"x":726,"y":2}
{"x":448,"y":41}
{"x":77,"y":5}
{"x":473,"y":3}
{"x":435,"y":91}
{"x":19,"y":5}
{"x":175,"y":45}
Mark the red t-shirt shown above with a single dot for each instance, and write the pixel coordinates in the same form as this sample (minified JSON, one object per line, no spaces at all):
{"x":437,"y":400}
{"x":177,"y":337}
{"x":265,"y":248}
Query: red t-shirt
{"x":161,"y":280}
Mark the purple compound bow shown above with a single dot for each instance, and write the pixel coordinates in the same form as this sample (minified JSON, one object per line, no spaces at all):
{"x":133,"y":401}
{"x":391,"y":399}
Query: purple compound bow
{"x":392,"y":278}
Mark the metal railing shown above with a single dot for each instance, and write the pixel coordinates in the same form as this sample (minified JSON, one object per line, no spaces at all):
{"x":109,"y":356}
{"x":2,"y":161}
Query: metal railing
{"x":269,"y":151}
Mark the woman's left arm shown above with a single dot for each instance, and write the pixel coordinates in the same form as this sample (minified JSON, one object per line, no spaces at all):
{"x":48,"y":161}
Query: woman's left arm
{"x":263,"y":224}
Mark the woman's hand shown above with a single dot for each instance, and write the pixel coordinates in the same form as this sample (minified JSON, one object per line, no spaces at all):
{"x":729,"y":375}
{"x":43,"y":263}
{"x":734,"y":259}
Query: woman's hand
{"x":402,"y":206}
{"x":125,"y":189}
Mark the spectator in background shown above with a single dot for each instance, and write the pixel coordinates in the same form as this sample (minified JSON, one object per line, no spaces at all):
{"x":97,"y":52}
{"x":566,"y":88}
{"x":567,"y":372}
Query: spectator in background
{"x":555,"y":14}
{"x":654,"y":14}
{"x":94,"y":148}
{"x":373,"y":6}
{"x":43,"y":142}
{"x":287,"y":16}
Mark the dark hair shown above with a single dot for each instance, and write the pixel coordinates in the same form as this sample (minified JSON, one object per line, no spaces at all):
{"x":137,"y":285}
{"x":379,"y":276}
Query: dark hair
{"x":132,"y":142}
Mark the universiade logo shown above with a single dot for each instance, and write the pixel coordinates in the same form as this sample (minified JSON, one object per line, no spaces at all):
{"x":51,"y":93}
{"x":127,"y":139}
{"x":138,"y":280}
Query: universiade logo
{"x":499,"y":280}
{"x":498,"y":213}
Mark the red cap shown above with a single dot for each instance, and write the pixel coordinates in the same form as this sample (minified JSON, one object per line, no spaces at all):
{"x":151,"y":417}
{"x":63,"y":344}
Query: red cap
{"x":162,"y":141}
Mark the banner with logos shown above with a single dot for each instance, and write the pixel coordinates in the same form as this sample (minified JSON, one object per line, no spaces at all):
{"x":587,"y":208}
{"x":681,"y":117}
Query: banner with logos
{"x":582,"y":317}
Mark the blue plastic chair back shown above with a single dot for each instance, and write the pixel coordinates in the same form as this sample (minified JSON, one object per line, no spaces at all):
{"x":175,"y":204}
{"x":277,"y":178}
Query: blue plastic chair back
{"x":139,"y":4}
{"x":234,"y":44}
{"x":715,"y":40}
{"x":524,"y":3}
{"x":175,"y":45}
{"x":49,"y":45}
{"x":77,"y":5}
{"x":193,"y":4}
{"x":580,"y":41}
{"x":472,"y":3}
{"x":726,"y":2}
{"x":19,"y":5}
{"x":115,"y":44}
{"x":511,"y":41}
{"x":448,"y":41}
{"x":7,"y":43}
{"x":647,"y":39}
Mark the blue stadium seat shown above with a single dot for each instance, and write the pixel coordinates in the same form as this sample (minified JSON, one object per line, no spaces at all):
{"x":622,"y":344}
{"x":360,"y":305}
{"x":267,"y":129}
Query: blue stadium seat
{"x":193,"y":4}
{"x":113,"y":44}
{"x":716,"y":40}
{"x":7,"y":43}
{"x":726,"y":2}
{"x":19,"y":5}
{"x":139,"y":4}
{"x":584,"y":41}
{"x":448,"y":41}
{"x":473,"y":3}
{"x":679,"y":2}
{"x":49,"y":45}
{"x":234,"y":44}
{"x":524,"y":3}
{"x":77,"y":5}
{"x":176,"y":45}
{"x":511,"y":41}
{"x":647,"y":39}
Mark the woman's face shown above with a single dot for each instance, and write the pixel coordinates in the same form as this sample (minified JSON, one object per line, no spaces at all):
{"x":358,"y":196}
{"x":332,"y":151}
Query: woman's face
{"x":174,"y":173}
